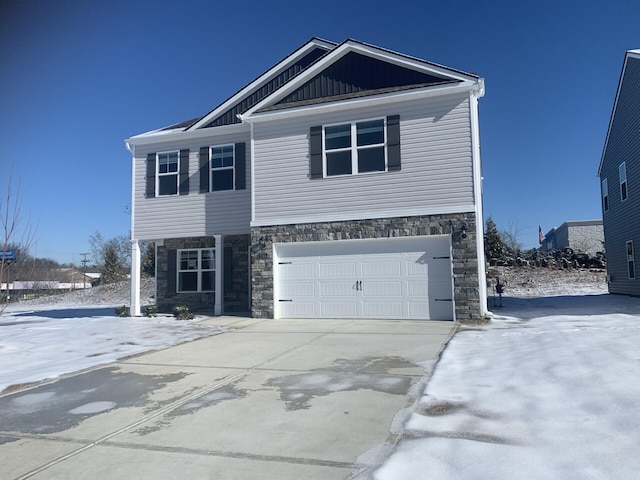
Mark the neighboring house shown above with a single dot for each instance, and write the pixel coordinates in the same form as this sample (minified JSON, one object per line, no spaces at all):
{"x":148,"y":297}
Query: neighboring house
{"x":345,"y":181}
{"x":619,"y":174}
{"x":586,"y":236}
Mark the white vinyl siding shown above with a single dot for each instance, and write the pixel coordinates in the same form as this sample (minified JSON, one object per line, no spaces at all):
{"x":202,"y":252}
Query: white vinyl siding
{"x":436,"y":174}
{"x":196,"y":214}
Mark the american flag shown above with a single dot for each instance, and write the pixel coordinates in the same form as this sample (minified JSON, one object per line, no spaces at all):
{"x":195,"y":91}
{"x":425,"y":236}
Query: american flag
{"x":540,"y":234}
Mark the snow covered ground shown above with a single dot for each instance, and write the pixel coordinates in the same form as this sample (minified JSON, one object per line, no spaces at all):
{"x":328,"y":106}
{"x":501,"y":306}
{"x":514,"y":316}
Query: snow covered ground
{"x":44,"y":342}
{"x":550,"y":389}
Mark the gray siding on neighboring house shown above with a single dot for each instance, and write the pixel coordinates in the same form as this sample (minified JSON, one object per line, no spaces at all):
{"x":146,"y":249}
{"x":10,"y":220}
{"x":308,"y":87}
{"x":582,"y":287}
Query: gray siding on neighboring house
{"x":196,"y":214}
{"x":622,"y":219}
{"x":435,"y":177}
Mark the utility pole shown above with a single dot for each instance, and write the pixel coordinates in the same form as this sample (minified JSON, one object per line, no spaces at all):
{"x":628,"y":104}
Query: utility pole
{"x":84,"y":270}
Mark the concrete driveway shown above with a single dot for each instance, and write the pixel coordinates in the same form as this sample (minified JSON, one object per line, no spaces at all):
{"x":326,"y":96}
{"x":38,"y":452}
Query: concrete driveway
{"x":271,"y":399}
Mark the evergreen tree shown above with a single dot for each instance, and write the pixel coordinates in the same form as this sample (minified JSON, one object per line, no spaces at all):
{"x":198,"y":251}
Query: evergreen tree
{"x":495,"y":248}
{"x":149,"y":259}
{"x":112,"y":269}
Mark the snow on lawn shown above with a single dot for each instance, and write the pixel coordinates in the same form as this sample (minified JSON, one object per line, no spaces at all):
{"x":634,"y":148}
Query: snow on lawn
{"x":45,"y":343}
{"x":537,"y":393}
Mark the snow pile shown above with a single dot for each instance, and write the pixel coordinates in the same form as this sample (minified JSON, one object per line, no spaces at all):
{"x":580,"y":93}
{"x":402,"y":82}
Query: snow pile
{"x":554,"y":397}
{"x":43,"y":344}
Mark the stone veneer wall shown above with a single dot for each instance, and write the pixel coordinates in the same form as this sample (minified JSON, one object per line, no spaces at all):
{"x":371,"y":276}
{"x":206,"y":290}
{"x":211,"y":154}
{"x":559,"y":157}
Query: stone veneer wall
{"x":236,"y":297}
{"x":167,"y":297}
{"x":465,"y":259}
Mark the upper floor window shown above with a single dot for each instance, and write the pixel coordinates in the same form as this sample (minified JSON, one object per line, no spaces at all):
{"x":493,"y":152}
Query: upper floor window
{"x":222,"y":168}
{"x":196,"y":270}
{"x":631,"y":264}
{"x":623,"y":181}
{"x":168,"y":168}
{"x":354,"y":148}
{"x":605,"y":195}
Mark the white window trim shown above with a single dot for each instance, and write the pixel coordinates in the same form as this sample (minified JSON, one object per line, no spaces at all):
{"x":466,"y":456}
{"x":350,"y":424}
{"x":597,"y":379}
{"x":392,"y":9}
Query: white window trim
{"x":630,"y":259}
{"x":605,"y":195}
{"x":354,"y":147}
{"x":176,"y":174}
{"x":199,"y":270}
{"x":219,"y":169}
{"x":623,"y":168}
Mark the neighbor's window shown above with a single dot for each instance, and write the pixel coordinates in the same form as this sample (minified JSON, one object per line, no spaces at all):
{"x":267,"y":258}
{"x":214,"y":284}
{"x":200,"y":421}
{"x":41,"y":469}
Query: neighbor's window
{"x":354,"y":148}
{"x":196,"y":270}
{"x":623,"y":181}
{"x":222,"y":168}
{"x":631,"y":264}
{"x":168,"y":173}
{"x":605,"y":195}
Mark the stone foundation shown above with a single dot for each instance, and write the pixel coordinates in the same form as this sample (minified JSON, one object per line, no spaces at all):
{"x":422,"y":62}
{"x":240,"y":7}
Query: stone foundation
{"x":465,"y":259}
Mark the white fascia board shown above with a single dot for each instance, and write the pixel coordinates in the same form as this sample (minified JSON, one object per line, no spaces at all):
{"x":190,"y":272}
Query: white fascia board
{"x":172,"y":135}
{"x":371,"y":51}
{"x":373,"y":100}
{"x":411,"y":212}
{"x":262,"y":79}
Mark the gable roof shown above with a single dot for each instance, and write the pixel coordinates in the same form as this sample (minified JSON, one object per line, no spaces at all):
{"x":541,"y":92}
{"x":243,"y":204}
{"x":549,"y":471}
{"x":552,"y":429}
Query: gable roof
{"x":354,"y":70}
{"x":318,"y":72}
{"x":630,"y":54}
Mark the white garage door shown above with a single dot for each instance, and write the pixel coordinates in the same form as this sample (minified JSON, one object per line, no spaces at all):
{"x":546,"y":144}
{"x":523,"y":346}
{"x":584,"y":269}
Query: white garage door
{"x":409,"y":277}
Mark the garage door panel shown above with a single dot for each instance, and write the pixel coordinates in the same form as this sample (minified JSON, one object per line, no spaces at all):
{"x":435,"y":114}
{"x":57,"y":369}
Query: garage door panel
{"x":298,"y":309}
{"x":339,"y":309}
{"x":337,"y":270}
{"x":337,"y":289}
{"x":381,"y":268}
{"x":382,"y":310}
{"x":297,"y":290}
{"x":297,"y":271}
{"x":381,"y":289}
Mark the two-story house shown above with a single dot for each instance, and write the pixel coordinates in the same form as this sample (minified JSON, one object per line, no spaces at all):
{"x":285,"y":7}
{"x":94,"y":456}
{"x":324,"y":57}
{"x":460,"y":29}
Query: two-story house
{"x":344,"y":182}
{"x":619,"y":174}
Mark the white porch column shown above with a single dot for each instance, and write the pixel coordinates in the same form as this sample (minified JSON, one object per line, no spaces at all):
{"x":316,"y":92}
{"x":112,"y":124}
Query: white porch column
{"x":217,"y":308}
{"x":134,"y":308}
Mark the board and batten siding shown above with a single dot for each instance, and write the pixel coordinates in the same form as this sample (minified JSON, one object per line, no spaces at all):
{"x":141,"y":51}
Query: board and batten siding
{"x":196,"y":214}
{"x":435,"y":177}
{"x":622,"y":219}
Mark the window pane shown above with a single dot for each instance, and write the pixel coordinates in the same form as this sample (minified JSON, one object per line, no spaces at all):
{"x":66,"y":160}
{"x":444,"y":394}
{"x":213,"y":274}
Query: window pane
{"x":222,"y":180}
{"x":337,"y":137}
{"x":370,"y":133}
{"x":208,"y":260}
{"x":168,"y":185}
{"x":623,"y":189}
{"x":371,"y":159}
{"x":208,"y":281}
{"x":168,"y":162}
{"x":188,"y":281}
{"x":222,"y":156}
{"x":632,"y":270}
{"x":339,"y":163}
{"x":189,"y":260}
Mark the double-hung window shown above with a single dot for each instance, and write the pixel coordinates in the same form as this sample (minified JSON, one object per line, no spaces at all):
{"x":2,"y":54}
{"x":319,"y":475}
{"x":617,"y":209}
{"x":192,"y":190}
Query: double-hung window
{"x":196,"y":270}
{"x":623,"y":181}
{"x":167,"y":174}
{"x":631,"y":264}
{"x":605,"y":195}
{"x":354,"y":148}
{"x":222,"y":168}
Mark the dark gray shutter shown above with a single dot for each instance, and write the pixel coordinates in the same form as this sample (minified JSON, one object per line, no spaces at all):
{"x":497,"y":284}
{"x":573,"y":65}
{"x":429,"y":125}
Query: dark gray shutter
{"x":184,"y":172}
{"x":172,"y":269}
{"x":150,"y":189}
{"x":315,"y":152}
{"x":204,"y":169}
{"x":241,"y":166}
{"x":393,"y":142}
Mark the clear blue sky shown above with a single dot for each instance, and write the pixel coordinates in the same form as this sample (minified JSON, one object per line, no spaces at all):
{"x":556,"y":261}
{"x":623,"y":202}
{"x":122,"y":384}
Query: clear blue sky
{"x":77,"y":77}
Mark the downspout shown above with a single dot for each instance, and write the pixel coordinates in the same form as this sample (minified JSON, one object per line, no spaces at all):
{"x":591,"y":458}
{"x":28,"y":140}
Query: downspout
{"x":477,"y":183}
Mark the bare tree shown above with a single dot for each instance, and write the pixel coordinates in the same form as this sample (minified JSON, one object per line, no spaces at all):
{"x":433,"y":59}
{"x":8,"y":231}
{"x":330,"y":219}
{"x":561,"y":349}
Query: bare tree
{"x":17,"y":238}
{"x":512,"y":237}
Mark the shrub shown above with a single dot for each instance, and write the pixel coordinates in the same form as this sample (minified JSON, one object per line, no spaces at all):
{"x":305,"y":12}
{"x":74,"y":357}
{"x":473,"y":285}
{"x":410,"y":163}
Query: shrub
{"x":181,"y":312}
{"x":150,"y":311}
{"x":123,"y":311}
